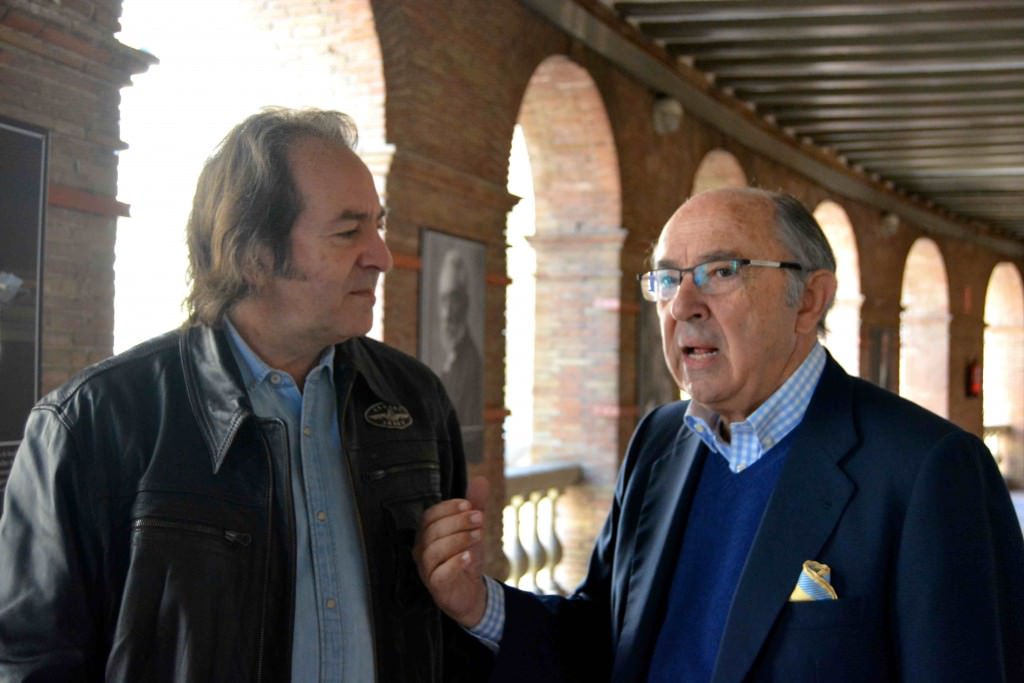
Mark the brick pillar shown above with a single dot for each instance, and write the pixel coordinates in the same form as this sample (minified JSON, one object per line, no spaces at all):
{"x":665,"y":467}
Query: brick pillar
{"x":576,"y":393}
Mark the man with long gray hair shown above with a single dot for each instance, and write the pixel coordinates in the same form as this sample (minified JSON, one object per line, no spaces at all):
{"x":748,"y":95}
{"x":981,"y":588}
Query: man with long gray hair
{"x":237,"y":500}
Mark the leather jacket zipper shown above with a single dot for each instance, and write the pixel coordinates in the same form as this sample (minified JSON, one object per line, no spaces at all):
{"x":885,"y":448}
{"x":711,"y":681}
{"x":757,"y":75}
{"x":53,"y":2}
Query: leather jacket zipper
{"x":233,"y":537}
{"x":262,"y":637}
{"x":377,"y":475}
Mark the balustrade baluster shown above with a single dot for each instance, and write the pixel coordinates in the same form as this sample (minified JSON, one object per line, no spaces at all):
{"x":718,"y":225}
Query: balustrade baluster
{"x":534,"y":546}
{"x":554,"y":545}
{"x":515,"y":552}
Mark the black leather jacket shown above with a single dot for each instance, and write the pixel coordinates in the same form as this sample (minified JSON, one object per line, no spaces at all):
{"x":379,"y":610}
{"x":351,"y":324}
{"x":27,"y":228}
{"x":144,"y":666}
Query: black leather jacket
{"x":148,"y":528}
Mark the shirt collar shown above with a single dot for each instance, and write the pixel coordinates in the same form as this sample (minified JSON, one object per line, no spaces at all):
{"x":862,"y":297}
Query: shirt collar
{"x":770,"y":423}
{"x":255,"y":370}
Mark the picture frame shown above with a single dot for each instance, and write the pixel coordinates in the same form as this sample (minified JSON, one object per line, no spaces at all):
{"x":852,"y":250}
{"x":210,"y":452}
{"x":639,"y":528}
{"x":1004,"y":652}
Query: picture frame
{"x":451,"y":326}
{"x":23,"y":170}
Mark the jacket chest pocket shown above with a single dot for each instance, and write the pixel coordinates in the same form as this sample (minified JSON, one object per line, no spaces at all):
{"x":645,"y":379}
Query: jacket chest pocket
{"x":403,"y":476}
{"x":406,"y":489}
{"x":399,"y":480}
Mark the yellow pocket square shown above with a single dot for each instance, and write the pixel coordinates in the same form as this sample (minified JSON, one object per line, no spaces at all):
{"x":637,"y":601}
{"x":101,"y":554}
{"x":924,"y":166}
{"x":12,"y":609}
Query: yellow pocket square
{"x":815,"y":583}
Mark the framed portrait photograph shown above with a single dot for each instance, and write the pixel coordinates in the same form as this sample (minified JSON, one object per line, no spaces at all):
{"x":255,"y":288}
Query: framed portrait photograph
{"x":23,"y":151}
{"x":451,"y":330}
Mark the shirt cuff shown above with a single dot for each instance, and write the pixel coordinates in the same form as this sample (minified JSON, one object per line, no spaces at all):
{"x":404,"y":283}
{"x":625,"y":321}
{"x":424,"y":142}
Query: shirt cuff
{"x":492,"y":626}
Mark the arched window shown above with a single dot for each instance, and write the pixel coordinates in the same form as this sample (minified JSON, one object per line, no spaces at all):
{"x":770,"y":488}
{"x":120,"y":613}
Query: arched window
{"x":577,"y":243}
{"x":718,"y":169}
{"x":843,"y":322}
{"x":924,"y":328}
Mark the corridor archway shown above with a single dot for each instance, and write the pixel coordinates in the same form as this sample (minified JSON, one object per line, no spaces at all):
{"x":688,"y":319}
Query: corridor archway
{"x":718,"y":169}
{"x":577,"y":242}
{"x":843,"y":322}
{"x":924,"y":328}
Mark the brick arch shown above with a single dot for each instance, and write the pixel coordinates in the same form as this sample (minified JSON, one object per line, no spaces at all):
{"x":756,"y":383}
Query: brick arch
{"x":718,"y":169}
{"x":924,"y":328}
{"x":331,"y":58}
{"x":572,"y":150}
{"x":577,"y":239}
{"x":1003,"y":369}
{"x":843,"y":322}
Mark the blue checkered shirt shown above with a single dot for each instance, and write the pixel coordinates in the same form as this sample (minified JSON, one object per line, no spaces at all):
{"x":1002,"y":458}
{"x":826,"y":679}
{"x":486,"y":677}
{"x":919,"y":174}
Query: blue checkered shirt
{"x":766,"y":426}
{"x":491,"y":627}
{"x":751,"y":439}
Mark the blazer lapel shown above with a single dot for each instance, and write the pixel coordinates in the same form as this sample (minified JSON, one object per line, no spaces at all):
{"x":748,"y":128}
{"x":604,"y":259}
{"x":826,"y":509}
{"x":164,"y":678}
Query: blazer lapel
{"x":654,"y":553}
{"x":804,"y":508}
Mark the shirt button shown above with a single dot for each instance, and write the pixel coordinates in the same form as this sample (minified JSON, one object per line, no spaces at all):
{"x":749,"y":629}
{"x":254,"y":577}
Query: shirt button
{"x":768,"y":443}
{"x":699,"y":428}
{"x":740,"y":468}
{"x":322,"y":516}
{"x":330,"y":603}
{"x":275,"y":378}
{"x":307,"y":431}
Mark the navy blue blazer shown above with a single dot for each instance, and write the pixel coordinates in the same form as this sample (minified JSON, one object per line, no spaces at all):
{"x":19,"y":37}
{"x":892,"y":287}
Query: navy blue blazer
{"x":908,"y":510}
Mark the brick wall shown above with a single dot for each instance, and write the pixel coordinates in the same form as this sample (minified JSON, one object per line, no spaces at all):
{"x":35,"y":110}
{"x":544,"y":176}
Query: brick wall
{"x":61,"y":69}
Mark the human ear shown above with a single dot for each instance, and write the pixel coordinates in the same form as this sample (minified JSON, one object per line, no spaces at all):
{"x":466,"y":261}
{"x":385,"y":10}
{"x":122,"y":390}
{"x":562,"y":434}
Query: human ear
{"x":819,"y":291}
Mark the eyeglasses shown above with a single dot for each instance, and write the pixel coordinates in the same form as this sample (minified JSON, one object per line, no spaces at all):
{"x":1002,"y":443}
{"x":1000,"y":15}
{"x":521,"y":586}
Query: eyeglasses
{"x":711,"y":277}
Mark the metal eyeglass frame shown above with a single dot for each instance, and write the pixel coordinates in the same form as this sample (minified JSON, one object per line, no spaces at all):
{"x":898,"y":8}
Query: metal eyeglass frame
{"x":703,"y":276}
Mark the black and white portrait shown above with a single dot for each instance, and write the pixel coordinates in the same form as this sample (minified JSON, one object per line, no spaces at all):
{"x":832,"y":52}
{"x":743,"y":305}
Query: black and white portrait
{"x":452,"y":327}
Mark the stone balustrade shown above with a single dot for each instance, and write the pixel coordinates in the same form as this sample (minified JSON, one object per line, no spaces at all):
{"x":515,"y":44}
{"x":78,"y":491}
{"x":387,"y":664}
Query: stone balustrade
{"x":530,"y":534}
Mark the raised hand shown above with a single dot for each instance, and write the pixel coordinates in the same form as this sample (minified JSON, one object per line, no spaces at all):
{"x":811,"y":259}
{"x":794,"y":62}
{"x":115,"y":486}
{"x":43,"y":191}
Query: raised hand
{"x":449,"y":553}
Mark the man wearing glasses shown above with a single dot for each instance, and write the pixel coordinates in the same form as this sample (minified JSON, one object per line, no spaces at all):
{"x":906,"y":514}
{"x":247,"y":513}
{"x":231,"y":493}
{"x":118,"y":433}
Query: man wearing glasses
{"x":788,"y":523}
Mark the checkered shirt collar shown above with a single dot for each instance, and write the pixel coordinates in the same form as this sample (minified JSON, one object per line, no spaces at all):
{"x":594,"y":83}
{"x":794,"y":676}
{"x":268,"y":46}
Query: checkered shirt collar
{"x":766,"y":426}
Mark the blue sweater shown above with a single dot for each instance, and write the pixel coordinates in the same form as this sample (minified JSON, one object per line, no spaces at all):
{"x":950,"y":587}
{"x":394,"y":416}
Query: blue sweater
{"x":724,"y":517}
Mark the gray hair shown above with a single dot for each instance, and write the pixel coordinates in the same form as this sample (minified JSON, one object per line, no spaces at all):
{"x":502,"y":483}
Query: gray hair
{"x":803,"y":237}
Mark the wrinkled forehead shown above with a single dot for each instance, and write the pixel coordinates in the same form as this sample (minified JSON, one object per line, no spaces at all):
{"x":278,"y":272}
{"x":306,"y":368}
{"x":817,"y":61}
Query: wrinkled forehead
{"x":726,"y":223}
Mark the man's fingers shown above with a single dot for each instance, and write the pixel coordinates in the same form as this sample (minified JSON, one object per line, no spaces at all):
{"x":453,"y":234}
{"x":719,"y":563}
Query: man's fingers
{"x":455,"y":568}
{"x":449,"y":546}
{"x":445,"y":508}
{"x":441,"y":549}
{"x":471,"y":520}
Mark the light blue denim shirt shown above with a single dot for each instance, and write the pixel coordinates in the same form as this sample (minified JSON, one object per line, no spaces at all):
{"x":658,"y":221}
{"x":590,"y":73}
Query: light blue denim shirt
{"x":333,"y":637}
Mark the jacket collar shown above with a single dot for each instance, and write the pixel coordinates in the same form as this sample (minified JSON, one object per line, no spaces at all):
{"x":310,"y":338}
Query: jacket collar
{"x":217,"y":394}
{"x":359,"y":354}
{"x":214,"y":387}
